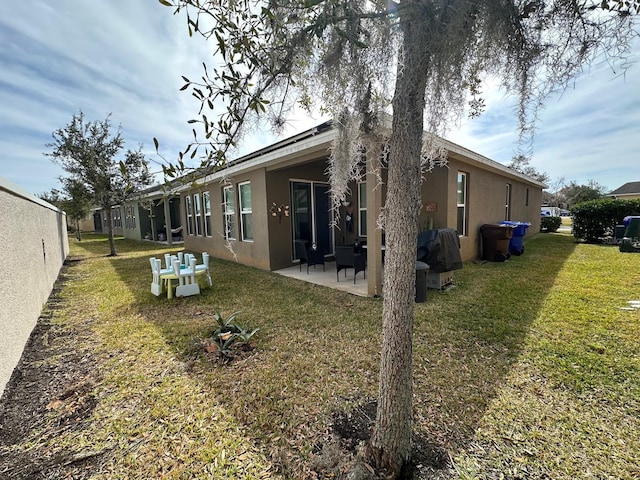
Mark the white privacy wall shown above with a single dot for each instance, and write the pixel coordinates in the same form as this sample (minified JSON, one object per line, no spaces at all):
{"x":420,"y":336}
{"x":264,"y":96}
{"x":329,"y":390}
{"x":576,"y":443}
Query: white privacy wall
{"x":33,"y":246}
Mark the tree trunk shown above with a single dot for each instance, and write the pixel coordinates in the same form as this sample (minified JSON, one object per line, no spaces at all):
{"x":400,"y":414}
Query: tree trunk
{"x":112,"y":240}
{"x":390,"y":445}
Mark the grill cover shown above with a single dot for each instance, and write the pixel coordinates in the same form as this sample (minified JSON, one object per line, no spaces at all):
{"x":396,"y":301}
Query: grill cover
{"x":440,"y":249}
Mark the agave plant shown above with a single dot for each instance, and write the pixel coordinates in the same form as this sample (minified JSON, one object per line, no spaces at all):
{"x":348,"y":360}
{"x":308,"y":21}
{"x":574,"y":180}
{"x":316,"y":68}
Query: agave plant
{"x":244,"y":336}
{"x":225,"y":324}
{"x":227,"y":333}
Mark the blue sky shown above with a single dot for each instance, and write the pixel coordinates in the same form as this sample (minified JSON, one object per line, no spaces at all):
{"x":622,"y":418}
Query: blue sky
{"x":127,"y":59}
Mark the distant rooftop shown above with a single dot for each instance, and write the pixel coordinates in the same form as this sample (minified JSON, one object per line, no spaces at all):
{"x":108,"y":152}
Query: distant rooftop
{"x":629,"y":188}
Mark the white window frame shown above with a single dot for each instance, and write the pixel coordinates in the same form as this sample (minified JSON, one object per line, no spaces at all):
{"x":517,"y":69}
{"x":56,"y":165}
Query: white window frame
{"x":362,"y":209}
{"x":117,"y":217}
{"x":206,"y":206}
{"x":189,"y":211}
{"x":462,"y":205}
{"x":246,"y":214}
{"x":197,"y":209}
{"x":228,"y":213}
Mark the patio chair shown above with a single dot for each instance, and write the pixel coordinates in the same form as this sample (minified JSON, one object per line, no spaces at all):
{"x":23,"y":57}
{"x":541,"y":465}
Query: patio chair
{"x":203,"y":268}
{"x":346,"y":257}
{"x":309,"y":255}
{"x":161,"y":277}
{"x":187,"y":284}
{"x":187,"y":259}
{"x":168,"y":260}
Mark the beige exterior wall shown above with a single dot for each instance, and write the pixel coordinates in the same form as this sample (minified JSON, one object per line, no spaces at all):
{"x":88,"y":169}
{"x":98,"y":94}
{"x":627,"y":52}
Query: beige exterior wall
{"x":269,"y":174}
{"x":34,"y":243}
{"x":271,"y":248}
{"x":627,"y":196}
{"x":435,"y":204}
{"x":250,"y":252}
{"x":86,"y":224}
{"x":272,"y":172}
{"x":486,"y":202}
{"x":279,"y":192}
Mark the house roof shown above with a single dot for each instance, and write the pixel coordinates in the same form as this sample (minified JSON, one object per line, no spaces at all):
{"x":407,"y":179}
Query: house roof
{"x":318,"y":140}
{"x":629,"y":188}
{"x":469,"y":156}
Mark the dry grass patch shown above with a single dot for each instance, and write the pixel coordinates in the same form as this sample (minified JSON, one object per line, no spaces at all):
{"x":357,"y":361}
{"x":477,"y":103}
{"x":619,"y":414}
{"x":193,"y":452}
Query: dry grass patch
{"x":526,"y":369}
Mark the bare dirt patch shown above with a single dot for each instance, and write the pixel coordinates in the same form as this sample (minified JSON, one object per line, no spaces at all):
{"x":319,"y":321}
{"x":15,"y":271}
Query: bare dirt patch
{"x":50,"y":392}
{"x":352,"y":429}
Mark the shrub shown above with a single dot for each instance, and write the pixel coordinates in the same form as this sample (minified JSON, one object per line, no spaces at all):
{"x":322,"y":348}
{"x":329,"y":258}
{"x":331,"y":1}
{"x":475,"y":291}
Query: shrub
{"x":550,"y":224}
{"x":596,"y":219}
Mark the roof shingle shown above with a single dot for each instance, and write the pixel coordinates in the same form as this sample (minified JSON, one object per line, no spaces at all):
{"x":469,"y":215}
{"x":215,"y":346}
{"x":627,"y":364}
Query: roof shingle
{"x":629,"y":188}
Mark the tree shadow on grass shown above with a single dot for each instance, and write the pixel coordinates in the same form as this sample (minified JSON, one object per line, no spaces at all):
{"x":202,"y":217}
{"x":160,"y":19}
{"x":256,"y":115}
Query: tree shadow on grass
{"x":97,"y":245}
{"x":318,"y":350}
{"x":467,"y":339}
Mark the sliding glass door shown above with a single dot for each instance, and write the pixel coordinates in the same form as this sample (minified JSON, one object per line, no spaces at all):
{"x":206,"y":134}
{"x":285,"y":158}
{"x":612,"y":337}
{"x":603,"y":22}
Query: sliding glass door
{"x":311,"y":215}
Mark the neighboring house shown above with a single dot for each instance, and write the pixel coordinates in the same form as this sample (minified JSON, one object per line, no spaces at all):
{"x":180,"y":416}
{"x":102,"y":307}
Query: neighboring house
{"x":85,"y":225}
{"x":251,"y":195}
{"x":628,"y":191}
{"x":149,"y":215}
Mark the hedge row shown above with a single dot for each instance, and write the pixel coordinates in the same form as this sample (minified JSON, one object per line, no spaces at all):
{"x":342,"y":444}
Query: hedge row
{"x":596,"y":219}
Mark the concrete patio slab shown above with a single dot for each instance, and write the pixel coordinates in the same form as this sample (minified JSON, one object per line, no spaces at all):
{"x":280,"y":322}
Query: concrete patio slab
{"x":327,"y":278}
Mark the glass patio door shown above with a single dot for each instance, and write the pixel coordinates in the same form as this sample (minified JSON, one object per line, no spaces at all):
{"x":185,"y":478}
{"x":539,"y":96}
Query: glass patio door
{"x":311,"y":215}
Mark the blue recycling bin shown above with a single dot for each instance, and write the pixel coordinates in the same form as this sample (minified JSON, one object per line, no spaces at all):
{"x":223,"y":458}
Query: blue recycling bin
{"x":516,"y":243}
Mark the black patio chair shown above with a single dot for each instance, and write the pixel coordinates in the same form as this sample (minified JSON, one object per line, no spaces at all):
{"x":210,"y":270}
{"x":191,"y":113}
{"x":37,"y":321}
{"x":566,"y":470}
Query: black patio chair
{"x":309,"y":256}
{"x":346,"y":257}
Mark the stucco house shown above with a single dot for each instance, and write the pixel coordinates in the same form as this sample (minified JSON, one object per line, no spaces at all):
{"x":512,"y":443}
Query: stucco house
{"x":628,"y":191}
{"x":150,"y":214}
{"x":256,"y":209}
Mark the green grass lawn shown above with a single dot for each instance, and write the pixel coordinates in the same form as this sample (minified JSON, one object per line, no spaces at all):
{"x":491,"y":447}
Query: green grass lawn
{"x":526,"y":369}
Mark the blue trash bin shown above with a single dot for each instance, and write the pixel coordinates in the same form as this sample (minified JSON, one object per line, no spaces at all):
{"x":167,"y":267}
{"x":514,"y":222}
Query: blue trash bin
{"x":516,"y":243}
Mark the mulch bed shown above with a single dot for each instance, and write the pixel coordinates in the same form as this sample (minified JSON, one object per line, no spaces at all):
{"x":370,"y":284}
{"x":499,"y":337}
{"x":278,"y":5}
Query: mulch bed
{"x":50,"y":392}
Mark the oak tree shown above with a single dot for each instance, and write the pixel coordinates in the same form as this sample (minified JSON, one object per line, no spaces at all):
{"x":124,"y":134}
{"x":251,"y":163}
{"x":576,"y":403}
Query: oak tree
{"x":88,"y":152}
{"x":421,"y":61}
{"x":74,"y":199}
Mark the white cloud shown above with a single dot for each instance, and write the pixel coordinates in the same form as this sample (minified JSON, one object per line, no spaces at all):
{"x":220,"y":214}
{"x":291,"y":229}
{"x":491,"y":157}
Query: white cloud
{"x":587,"y":132}
{"x":127,"y":58}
